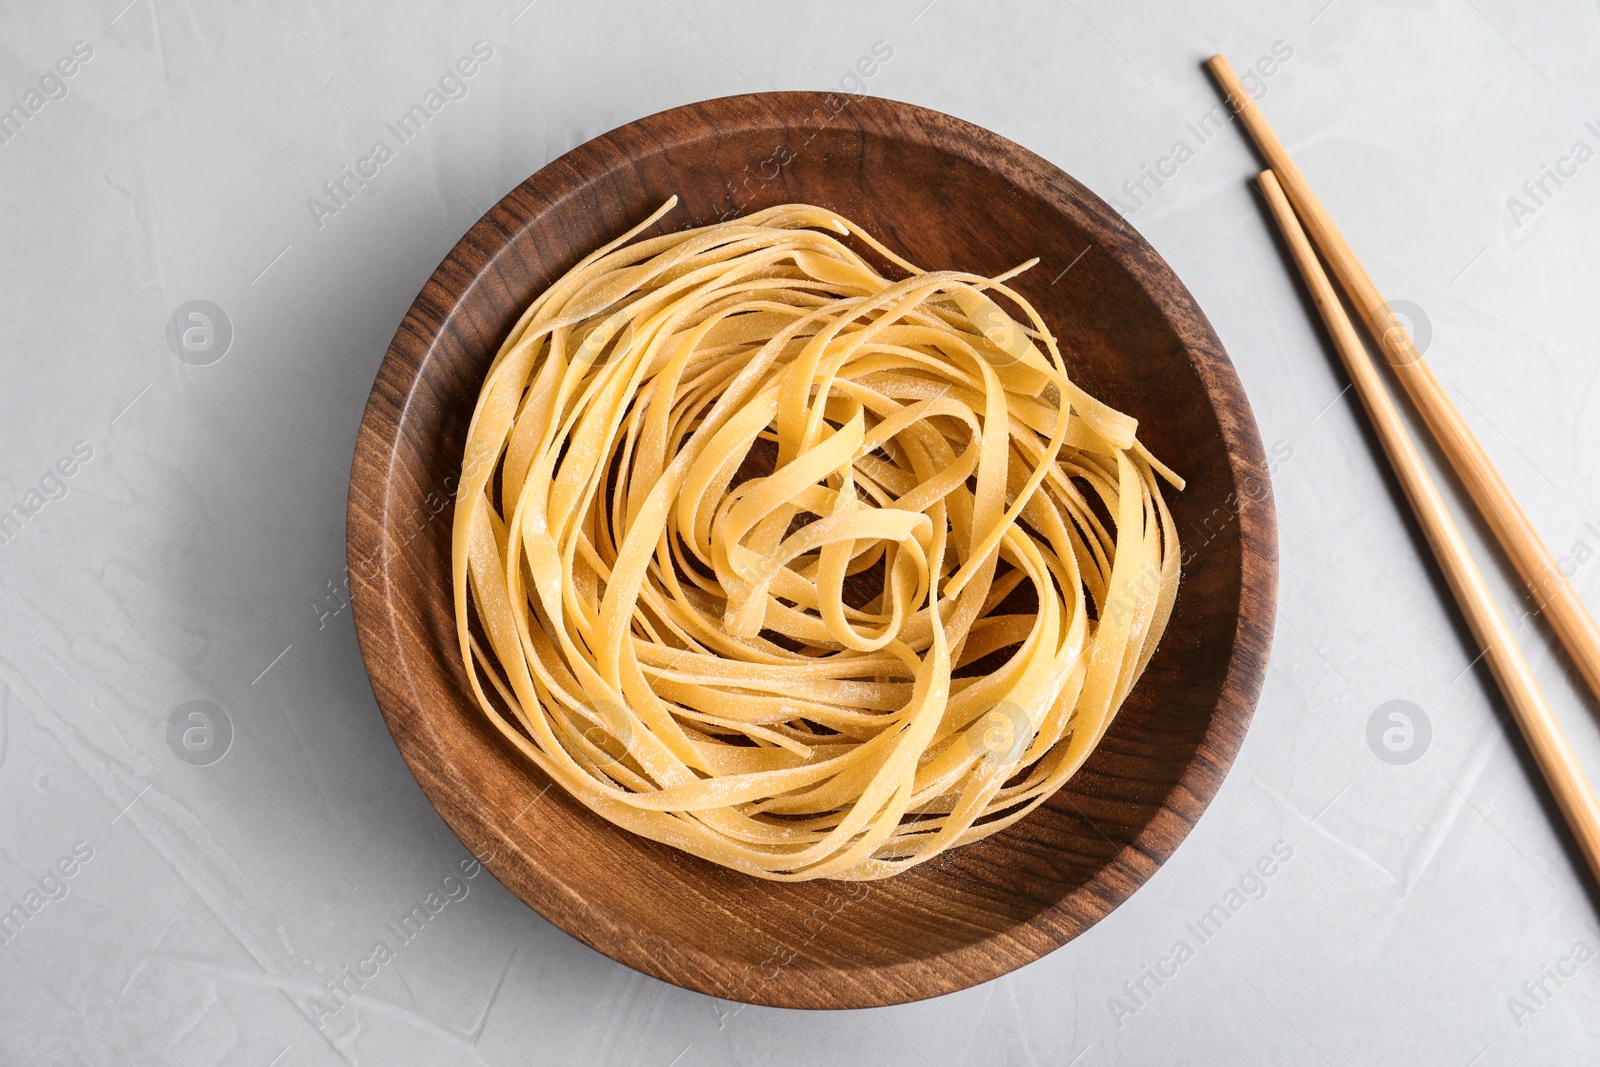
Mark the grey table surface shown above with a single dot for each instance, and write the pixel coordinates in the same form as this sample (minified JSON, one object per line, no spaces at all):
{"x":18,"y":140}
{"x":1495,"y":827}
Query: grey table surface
{"x":181,"y":532}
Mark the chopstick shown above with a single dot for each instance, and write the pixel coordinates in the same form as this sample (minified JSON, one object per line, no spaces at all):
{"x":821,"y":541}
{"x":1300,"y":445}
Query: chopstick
{"x":1551,"y":752}
{"x":1518,"y":538}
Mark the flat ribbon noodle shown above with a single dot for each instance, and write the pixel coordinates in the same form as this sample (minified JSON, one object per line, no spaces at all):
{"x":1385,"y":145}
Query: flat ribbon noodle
{"x":736,"y":514}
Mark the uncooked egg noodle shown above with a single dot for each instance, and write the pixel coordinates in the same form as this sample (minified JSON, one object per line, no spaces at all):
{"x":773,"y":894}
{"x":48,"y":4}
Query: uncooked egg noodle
{"x":805,"y":570}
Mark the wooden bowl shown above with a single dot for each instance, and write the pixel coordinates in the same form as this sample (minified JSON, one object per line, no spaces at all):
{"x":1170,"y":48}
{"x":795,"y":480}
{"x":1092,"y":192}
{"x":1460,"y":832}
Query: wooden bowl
{"x":947,"y":195}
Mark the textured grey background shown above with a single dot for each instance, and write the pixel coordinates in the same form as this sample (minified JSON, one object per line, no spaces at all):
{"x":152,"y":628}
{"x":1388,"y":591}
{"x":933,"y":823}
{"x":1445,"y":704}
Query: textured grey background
{"x":197,"y":554}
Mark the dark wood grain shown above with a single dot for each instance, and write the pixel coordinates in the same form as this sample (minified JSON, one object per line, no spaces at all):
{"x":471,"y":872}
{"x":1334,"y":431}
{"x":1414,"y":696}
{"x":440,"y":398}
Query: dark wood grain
{"x":948,"y":195}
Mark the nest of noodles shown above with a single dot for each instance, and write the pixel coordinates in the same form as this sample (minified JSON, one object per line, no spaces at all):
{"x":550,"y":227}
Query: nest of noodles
{"x":799,"y":568}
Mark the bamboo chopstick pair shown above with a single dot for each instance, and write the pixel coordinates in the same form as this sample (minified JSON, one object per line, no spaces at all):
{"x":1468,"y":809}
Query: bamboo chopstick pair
{"x":1296,"y":209}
